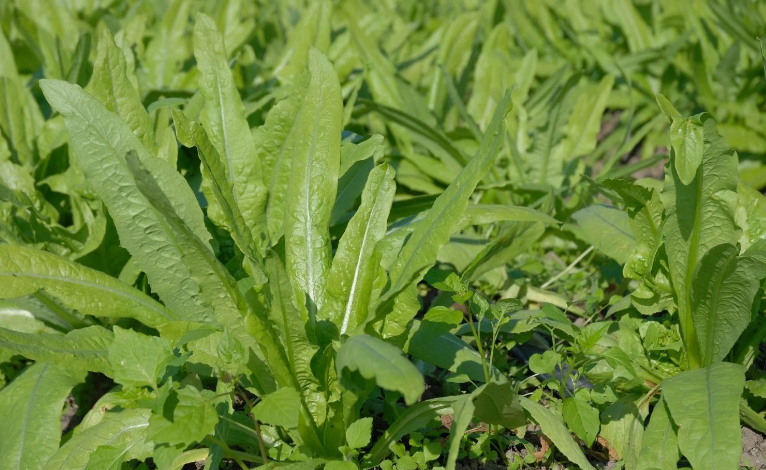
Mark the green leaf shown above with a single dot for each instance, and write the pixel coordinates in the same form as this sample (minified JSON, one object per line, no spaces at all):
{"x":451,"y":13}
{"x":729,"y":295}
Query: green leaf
{"x":312,"y":31}
{"x":138,"y":359}
{"x":608,"y":229}
{"x":430,"y":341}
{"x":107,"y":457}
{"x":25,"y":271}
{"x":704,"y":404}
{"x":188,"y":417}
{"x":432,"y":232}
{"x":481,"y":214}
{"x":314,"y":167}
{"x":280,"y":408}
{"x":275,"y":141}
{"x":723,"y":291}
{"x":499,"y":404}
{"x":585,"y":122}
{"x":461,"y":419}
{"x":582,"y":419}
{"x":659,"y":448}
{"x":686,"y":137}
{"x":554,"y":429}
{"x":698,"y":217}
{"x":356,"y":265}
{"x":223,"y":117}
{"x":126,"y":430}
{"x":30,"y":410}
{"x":110,"y":84}
{"x":358,"y":435}
{"x":192,"y":134}
{"x":102,"y":142}
{"x":378,"y":360}
{"x":622,"y":427}
{"x":413,"y":418}
{"x":84,"y":349}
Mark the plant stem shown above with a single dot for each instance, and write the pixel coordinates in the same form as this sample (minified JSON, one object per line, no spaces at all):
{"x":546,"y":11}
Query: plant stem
{"x":477,"y":336}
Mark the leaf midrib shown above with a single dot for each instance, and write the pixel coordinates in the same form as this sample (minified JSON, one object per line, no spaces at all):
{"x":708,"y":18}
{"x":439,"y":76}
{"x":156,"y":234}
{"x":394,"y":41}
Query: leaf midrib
{"x":93,"y":285}
{"x":27,"y":411}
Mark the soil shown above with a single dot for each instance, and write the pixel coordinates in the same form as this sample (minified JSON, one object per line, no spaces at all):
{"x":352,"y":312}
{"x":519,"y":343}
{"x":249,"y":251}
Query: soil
{"x":753,"y":450}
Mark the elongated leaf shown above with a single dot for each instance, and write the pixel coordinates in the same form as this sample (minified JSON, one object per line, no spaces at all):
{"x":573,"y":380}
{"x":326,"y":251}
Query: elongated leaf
{"x":125,"y":430}
{"x":659,"y":448}
{"x":433,"y":231}
{"x":704,"y":403}
{"x":461,"y":419}
{"x":314,"y":170}
{"x":109,"y":83}
{"x":83,"y":349}
{"x":192,"y":134}
{"x":585,"y":122}
{"x":30,"y":410}
{"x":224,"y":120}
{"x":722,"y":297}
{"x":217,"y":287}
{"x":289,"y":317}
{"x":101,"y":142}
{"x":276,"y":142}
{"x":555,"y":430}
{"x":313,"y":31}
{"x":415,"y":417}
{"x":356,"y":265}
{"x":480,"y":214}
{"x":25,"y":271}
{"x":375,"y":359}
{"x":699,"y":216}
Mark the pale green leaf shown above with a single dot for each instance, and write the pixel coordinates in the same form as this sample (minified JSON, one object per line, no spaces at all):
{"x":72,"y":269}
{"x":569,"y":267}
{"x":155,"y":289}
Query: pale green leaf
{"x":608,"y":229}
{"x":83,"y":349}
{"x":698,"y":217}
{"x":109,"y":83}
{"x":704,"y":404}
{"x":25,"y":271}
{"x":102,"y":143}
{"x":356,"y":265}
{"x":659,"y":448}
{"x":30,"y":410}
{"x":723,"y":291}
{"x":276,"y":141}
{"x":686,"y":137}
{"x":358,"y":435}
{"x":280,"y":408}
{"x":314,"y":168}
{"x":191,"y":419}
{"x":223,"y":117}
{"x":581,"y":418}
{"x":312,"y":31}
{"x":378,"y":360}
{"x":138,"y":359}
{"x":419,"y":252}
{"x":126,"y":430}
{"x":585,"y":122}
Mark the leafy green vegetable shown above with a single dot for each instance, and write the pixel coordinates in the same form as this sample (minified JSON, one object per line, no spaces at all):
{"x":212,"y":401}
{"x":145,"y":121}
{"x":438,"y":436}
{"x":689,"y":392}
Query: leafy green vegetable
{"x":30,"y":409}
{"x":704,"y":404}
